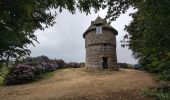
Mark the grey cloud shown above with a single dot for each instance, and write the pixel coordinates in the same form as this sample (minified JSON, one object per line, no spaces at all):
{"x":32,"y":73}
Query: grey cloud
{"x":64,"y":40}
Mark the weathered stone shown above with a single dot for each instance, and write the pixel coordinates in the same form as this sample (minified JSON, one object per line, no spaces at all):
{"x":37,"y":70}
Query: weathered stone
{"x":101,"y":48}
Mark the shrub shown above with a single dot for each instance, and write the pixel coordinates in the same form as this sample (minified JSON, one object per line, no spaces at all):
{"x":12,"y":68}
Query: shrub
{"x":82,"y":65}
{"x":20,"y":74}
{"x":123,"y":65}
{"x":137,"y":66}
{"x":41,"y":64}
{"x":48,"y":67}
{"x":159,"y":92}
{"x":55,"y":65}
{"x":38,"y":69}
{"x":60,"y":63}
{"x":72,"y":65}
{"x":165,"y":75}
{"x":36,"y":66}
{"x":32,"y":68}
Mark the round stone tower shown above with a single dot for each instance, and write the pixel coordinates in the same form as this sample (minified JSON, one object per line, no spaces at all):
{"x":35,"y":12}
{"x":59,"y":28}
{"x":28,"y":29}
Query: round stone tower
{"x":100,"y":44}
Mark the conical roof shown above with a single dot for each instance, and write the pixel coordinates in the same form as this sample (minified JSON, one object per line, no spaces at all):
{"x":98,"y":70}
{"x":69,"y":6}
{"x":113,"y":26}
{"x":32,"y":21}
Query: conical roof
{"x":102,"y":22}
{"x":99,"y":20}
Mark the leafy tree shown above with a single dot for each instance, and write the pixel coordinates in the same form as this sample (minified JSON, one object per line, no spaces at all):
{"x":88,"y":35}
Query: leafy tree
{"x":19,"y":19}
{"x":149,"y":35}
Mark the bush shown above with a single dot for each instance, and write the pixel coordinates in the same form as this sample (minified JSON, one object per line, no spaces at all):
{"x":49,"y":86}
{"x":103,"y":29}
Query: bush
{"x":32,"y":68}
{"x":123,"y":65}
{"x":48,"y":67}
{"x":36,"y":66}
{"x":159,"y":92}
{"x":38,"y":69}
{"x":41,"y":64}
{"x":60,"y":63}
{"x":82,"y":65}
{"x":72,"y":65}
{"x":165,"y":75}
{"x":20,"y":74}
{"x":136,"y":66}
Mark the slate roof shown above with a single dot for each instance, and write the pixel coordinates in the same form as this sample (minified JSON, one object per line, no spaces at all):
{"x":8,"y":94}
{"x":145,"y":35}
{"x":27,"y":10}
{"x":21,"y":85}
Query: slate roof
{"x":102,"y":22}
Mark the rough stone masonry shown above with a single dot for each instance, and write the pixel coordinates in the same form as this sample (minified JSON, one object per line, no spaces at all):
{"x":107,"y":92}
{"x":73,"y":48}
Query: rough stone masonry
{"x":100,"y":44}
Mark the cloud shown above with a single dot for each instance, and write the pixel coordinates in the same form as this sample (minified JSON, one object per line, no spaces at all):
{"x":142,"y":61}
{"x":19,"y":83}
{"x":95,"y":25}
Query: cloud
{"x":64,"y":40}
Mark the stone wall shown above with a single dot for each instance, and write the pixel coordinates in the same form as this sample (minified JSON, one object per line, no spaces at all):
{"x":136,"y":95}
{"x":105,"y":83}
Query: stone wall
{"x":105,"y":37}
{"x":98,"y":46}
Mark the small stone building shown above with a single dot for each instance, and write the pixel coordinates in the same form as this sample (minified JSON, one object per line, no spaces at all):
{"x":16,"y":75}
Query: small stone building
{"x":100,"y":44}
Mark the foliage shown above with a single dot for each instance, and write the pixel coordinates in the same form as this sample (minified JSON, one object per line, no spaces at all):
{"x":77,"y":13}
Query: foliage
{"x":159,"y":92}
{"x":20,"y":74}
{"x":3,"y":70}
{"x":31,"y":69}
{"x":123,"y":65}
{"x":149,"y":35}
{"x":148,"y":38}
{"x":137,"y":66}
{"x":82,"y":65}
{"x":1,"y":81}
{"x":73,"y":65}
{"x":60,"y":63}
{"x":38,"y":69}
{"x":48,"y":67}
{"x":128,"y":66}
{"x":34,"y":68}
{"x":43,"y":62}
{"x":19,"y":19}
{"x":35,"y":60}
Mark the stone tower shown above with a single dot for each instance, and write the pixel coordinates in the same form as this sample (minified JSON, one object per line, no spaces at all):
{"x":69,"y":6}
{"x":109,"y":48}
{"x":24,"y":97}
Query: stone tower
{"x":100,"y":44}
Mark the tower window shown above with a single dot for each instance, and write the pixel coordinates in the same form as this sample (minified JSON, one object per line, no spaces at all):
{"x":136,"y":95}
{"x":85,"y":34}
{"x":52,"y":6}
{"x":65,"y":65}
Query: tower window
{"x":98,"y":29}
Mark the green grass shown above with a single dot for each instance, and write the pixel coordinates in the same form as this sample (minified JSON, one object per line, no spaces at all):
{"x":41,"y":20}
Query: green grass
{"x":157,"y":95}
{"x":47,"y":75}
{"x":1,"y":81}
{"x":5,"y":70}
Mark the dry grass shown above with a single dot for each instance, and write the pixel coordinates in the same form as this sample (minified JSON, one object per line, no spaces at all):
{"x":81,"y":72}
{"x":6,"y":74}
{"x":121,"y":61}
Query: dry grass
{"x":79,"y":84}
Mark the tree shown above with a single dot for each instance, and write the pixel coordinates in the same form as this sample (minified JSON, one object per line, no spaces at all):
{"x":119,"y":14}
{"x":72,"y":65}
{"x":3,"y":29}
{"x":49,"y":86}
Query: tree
{"x":148,"y":37}
{"x":19,"y":19}
{"x":149,"y":34}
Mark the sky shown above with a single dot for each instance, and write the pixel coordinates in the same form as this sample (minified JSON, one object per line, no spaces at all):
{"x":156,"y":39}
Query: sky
{"x":65,"y":39}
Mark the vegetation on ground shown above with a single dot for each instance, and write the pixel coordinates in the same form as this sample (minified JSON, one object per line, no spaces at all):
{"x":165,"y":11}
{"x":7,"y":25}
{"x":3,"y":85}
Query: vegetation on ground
{"x":1,"y":81}
{"x":35,"y":68}
{"x":148,"y":35}
{"x":160,"y":92}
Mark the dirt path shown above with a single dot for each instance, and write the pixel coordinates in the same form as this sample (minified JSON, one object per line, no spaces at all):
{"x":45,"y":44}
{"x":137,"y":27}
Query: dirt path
{"x":79,"y":84}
